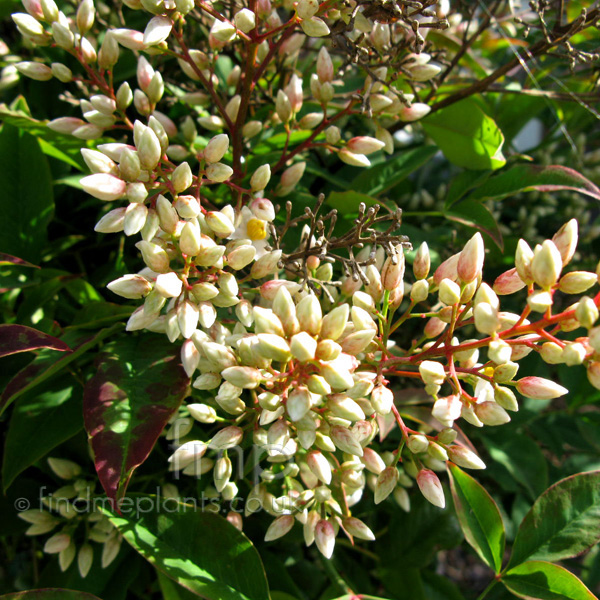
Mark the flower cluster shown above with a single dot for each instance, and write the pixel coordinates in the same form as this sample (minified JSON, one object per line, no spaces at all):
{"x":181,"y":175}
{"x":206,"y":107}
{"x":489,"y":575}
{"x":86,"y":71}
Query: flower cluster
{"x":70,"y":509}
{"x":282,"y":355}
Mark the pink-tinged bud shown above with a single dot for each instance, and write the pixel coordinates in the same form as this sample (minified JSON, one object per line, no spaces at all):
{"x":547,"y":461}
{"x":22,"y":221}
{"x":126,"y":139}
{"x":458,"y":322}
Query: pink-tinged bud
{"x":269,"y":289}
{"x":565,"y":239}
{"x":372,"y":461}
{"x":463,"y":457}
{"x":486,"y":318}
{"x":546,"y":265}
{"x":364,"y":145}
{"x":303,"y":346}
{"x":319,"y":465}
{"x":129,"y":38}
{"x":540,"y":389}
{"x":144,"y":73}
{"x":27,"y":25}
{"x":130,"y":286}
{"x":434,"y":327}
{"x":34,"y":70}
{"x":577,"y":282}
{"x":490,"y":413}
{"x":324,"y":65}
{"x":431,"y":488}
{"x":149,"y":149}
{"x":447,"y":270}
{"x":432,"y":372}
{"x":345,"y":440}
{"x":386,"y":482}
{"x":223,"y":31}
{"x":416,"y":111}
{"x":422,"y":262}
{"x":293,"y":91}
{"x":449,"y":292}
{"x":63,"y":468}
{"x":355,"y":160}
{"x":382,"y":400}
{"x":154,"y":256}
{"x":65,"y":124}
{"x":245,"y":20}
{"x":243,"y":377}
{"x":218,"y":172}
{"x":220,"y":223}
{"x":57,"y":543}
{"x":314,"y":27}
{"x":358,"y":529}
{"x":111,"y":222}
{"x":508,"y":283}
{"x":586,"y":312}
{"x":470,"y":260}
{"x":216,"y":148}
{"x":279,"y":527}
{"x":392,"y":273}
{"x":593,"y":374}
{"x":292,"y":175}
{"x":229,"y":437}
{"x":325,"y":538}
{"x":104,"y":186}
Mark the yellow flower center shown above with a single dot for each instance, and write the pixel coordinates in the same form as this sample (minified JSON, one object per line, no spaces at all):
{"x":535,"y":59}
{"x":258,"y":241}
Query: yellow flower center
{"x":257,"y":229}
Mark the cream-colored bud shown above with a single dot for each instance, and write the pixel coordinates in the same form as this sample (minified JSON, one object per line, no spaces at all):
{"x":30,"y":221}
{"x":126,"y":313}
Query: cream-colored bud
{"x":216,"y":148}
{"x":298,"y":403}
{"x":449,"y":292}
{"x":419,"y":291}
{"x":220,"y":223}
{"x":309,"y":314}
{"x":551,"y":353}
{"x":577,"y":282}
{"x":355,"y":160}
{"x":486,"y":318}
{"x":432,"y":372}
{"x":260,"y":178}
{"x":523,"y":259}
{"x":218,"y":172}
{"x":245,"y":20}
{"x":416,"y":111}
{"x":223,"y":31}
{"x":491,"y":413}
{"x":539,"y":301}
{"x":463,"y":457}
{"x":182,"y":177}
{"x":506,"y":398}
{"x":243,"y":377}
{"x":422,"y":262}
{"x":470,"y":260}
{"x":314,"y":27}
{"x":565,"y":239}
{"x":499,"y":352}
{"x":586,"y":312}
{"x":574,"y":354}
{"x":546,"y":265}
{"x":345,"y":441}
{"x":274,"y":347}
{"x":418,"y":444}
{"x":154,"y":256}
{"x":251,"y":129}
{"x":303,"y":346}
{"x":593,"y":374}
{"x":506,"y":372}
{"x":279,"y":527}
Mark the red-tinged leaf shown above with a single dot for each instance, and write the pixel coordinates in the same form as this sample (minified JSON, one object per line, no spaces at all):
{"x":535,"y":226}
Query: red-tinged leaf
{"x":138,"y":386}
{"x":50,"y":594}
{"x":19,"y":338}
{"x":473,"y":214}
{"x":46,"y":364}
{"x":524,"y":178}
{"x":8,"y":259}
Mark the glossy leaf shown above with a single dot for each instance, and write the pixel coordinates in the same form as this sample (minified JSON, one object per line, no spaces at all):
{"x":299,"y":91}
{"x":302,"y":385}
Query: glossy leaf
{"x":563,"y":522}
{"x":385,"y":175}
{"x":346,"y":203}
{"x":539,"y":580}
{"x":19,"y":338}
{"x":138,"y":385}
{"x":45,"y":419}
{"x":479,"y":517}
{"x":27,"y":203}
{"x":50,"y":594}
{"x":8,"y":259}
{"x":199,"y":550}
{"x":46,"y":365}
{"x":526,"y":178}
{"x":474,"y":214}
{"x":467,"y":136}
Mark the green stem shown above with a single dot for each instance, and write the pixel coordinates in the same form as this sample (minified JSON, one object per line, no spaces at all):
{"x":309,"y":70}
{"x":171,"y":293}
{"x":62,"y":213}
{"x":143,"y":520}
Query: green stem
{"x":335,"y":577}
{"x":488,"y":589}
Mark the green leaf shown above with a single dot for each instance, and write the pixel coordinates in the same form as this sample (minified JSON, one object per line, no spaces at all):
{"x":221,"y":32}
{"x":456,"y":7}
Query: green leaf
{"x":46,"y":365}
{"x":526,"y":178}
{"x":171,"y":590}
{"x":479,"y":517}
{"x":563,"y":522}
{"x":475,"y":214}
{"x":46,"y":419}
{"x":19,"y":338}
{"x":538,"y":580}
{"x":347,"y":202}
{"x":199,"y":550}
{"x":138,"y":385}
{"x":523,"y":459}
{"x":27,"y":202}
{"x":467,"y":136}
{"x":384,"y":176}
{"x":463,"y":183}
{"x":50,"y":594}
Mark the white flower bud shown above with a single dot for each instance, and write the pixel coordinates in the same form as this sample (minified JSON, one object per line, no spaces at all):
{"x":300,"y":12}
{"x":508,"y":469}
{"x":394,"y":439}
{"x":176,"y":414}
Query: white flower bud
{"x":279,"y":527}
{"x":546,"y":265}
{"x":260,"y":178}
{"x":245,"y":20}
{"x":491,"y":413}
{"x":223,"y":31}
{"x":130,"y":286}
{"x":218,"y":172}
{"x":463,"y":457}
{"x":228,"y":437}
{"x":432,"y":372}
{"x":324,"y":533}
{"x":586,"y":312}
{"x":345,"y":441}
{"x":314,"y":27}
{"x":431,"y":488}
{"x":154,"y":256}
{"x":157,"y":30}
{"x":577,"y":282}
{"x":565,"y":239}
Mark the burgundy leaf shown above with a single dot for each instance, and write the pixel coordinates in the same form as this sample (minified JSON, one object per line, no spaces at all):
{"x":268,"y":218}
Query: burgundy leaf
{"x":8,"y":259}
{"x":19,"y":338}
{"x":138,"y":386}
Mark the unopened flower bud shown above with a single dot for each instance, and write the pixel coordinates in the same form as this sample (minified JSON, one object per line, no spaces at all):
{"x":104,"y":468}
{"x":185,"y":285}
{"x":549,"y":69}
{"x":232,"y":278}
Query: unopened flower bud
{"x":418,"y":444}
{"x":449,"y":292}
{"x":223,"y":31}
{"x":216,"y":148}
{"x":573,"y":354}
{"x":324,"y":536}
{"x":279,"y":527}
{"x":63,"y":468}
{"x":416,"y":111}
{"x":470,"y":260}
{"x":577,"y":282}
{"x":314,"y":27}
{"x":499,"y":352}
{"x":593,"y":374}
{"x":260,"y":178}
{"x":546,"y":265}
{"x":486,"y":318}
{"x":245,"y":20}
{"x":540,"y":388}
{"x":463,"y":457}
{"x":432,"y":372}
{"x":431,"y":488}
{"x":244,"y":377}
{"x":218,"y":172}
{"x":565,"y":239}
{"x":491,"y":413}
{"x":586,"y":312}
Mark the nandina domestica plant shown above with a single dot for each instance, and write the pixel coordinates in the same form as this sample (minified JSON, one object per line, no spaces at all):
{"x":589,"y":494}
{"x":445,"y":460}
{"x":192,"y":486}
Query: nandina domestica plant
{"x":278,"y":314}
